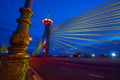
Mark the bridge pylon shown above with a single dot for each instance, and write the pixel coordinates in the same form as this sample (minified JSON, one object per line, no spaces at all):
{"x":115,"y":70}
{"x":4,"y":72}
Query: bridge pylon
{"x":47,"y":22}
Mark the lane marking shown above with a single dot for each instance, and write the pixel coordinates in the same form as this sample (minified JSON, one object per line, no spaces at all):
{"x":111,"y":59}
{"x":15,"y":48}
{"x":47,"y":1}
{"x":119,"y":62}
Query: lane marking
{"x":36,"y":76}
{"x":94,"y":75}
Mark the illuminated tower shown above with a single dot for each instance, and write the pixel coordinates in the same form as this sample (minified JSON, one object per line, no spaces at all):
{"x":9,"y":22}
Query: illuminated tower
{"x":45,"y":43}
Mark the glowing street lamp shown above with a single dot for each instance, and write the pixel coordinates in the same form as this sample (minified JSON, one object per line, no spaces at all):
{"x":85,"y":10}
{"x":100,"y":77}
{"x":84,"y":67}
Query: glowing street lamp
{"x":30,"y":38}
{"x":93,"y":55}
{"x":113,"y":54}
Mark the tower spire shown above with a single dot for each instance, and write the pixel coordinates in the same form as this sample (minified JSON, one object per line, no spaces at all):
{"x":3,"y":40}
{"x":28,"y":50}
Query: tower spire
{"x":48,"y":15}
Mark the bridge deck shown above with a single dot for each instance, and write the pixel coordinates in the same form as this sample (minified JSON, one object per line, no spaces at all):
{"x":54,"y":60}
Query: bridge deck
{"x":55,"y":69}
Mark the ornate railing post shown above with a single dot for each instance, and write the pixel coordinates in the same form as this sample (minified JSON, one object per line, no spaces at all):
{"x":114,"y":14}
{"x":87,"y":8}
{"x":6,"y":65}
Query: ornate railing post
{"x":13,"y":66}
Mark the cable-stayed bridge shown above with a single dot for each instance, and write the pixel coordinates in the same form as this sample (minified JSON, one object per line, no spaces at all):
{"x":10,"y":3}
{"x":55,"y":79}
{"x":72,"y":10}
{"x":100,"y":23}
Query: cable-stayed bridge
{"x":96,"y":31}
{"x":93,"y":33}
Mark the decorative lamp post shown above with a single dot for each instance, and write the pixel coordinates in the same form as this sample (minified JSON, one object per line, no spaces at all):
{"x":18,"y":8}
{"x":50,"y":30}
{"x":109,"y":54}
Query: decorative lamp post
{"x":14,"y":65}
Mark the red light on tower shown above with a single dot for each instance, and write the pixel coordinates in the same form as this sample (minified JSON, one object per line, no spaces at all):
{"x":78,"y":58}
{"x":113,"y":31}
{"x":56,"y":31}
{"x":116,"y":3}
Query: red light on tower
{"x":47,"y":21}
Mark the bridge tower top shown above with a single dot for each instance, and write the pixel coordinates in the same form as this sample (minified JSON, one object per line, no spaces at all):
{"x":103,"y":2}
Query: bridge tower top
{"x":47,"y":21}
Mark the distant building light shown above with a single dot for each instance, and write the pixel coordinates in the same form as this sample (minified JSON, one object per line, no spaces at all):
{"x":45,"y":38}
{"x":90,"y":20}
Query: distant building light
{"x":7,"y":51}
{"x":71,"y":55}
{"x":93,"y":55}
{"x":79,"y":55}
{"x":113,"y":54}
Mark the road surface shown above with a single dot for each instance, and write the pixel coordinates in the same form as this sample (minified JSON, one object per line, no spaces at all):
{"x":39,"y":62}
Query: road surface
{"x":49,"y":69}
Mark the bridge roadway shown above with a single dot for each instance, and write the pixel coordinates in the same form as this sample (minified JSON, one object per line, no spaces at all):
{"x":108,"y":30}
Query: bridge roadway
{"x":61,"y":69}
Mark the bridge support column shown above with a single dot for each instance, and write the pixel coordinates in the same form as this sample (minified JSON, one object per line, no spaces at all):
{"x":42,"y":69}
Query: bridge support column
{"x":13,"y":66}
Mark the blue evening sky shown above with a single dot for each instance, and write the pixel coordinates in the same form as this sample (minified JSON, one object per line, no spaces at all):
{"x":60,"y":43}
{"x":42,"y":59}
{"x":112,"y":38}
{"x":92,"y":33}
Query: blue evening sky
{"x":60,"y":10}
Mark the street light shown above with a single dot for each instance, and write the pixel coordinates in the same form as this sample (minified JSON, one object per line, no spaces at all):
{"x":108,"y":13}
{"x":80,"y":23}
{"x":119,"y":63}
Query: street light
{"x":113,"y":54}
{"x":93,"y":55}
